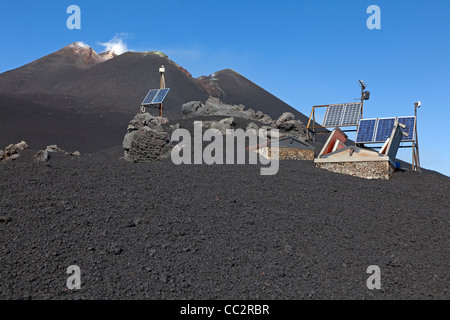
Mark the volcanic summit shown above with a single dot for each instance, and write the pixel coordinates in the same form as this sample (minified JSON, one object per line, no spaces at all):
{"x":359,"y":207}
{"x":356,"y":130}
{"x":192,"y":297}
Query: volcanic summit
{"x":77,"y":82}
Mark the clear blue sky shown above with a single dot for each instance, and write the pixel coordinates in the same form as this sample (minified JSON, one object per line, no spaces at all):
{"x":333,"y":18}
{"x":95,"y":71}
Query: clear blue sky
{"x":304,"y":52}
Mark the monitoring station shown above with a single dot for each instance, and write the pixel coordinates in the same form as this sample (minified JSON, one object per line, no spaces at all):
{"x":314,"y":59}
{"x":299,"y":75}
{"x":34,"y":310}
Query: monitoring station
{"x":155,"y":97}
{"x":389,"y":133}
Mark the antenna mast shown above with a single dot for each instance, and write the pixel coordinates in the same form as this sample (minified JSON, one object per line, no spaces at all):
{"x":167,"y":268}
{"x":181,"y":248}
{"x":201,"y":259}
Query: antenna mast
{"x":162,"y":85}
{"x":365,"y":95}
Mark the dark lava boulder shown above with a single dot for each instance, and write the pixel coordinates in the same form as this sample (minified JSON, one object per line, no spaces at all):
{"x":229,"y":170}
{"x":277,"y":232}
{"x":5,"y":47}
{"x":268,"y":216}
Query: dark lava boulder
{"x":146,"y":140}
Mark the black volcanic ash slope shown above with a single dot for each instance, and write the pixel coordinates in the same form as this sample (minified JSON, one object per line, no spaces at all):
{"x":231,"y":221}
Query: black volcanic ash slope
{"x":233,"y":88}
{"x":161,"y":231}
{"x":40,"y":125}
{"x":122,"y":83}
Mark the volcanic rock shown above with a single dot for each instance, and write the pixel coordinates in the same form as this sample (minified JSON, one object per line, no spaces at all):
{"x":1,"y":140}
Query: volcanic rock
{"x":44,"y":155}
{"x":264,"y":118}
{"x":11,"y":151}
{"x":222,"y":125}
{"x":287,"y":116}
{"x":127,"y":140}
{"x":22,"y":145}
{"x":290,"y":127}
{"x":286,"y":123}
{"x":191,"y":108}
{"x":252,"y":126}
{"x":75,"y":153}
{"x":41,"y":156}
{"x":5,"y":219}
{"x":214,"y":107}
{"x":211,"y":86}
{"x":12,"y":157}
{"x":146,"y":140}
{"x":148,"y":145}
{"x":54,"y":148}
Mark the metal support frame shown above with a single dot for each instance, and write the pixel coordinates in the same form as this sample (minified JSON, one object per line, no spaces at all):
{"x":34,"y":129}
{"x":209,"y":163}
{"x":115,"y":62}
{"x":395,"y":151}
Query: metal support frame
{"x":311,"y":127}
{"x":415,"y":145}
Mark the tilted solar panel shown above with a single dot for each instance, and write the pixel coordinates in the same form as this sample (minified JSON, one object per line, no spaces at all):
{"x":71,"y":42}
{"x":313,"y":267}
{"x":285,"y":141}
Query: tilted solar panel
{"x":155,"y":96}
{"x":352,"y":114}
{"x":333,"y":116}
{"x":161,"y":96}
{"x":150,"y":96}
{"x":384,"y":129}
{"x":410,"y":123}
{"x":366,"y":130}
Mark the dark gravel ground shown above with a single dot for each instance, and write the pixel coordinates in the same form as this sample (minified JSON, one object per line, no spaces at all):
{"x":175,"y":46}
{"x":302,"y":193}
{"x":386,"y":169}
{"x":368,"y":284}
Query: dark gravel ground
{"x":160,"y":231}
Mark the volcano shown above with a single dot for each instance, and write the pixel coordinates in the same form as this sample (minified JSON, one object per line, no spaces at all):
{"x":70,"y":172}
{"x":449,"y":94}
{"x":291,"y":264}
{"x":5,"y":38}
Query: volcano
{"x":76,"y":80}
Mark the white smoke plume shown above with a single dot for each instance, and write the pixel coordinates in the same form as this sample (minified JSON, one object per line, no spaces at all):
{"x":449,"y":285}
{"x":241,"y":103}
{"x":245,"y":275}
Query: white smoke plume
{"x":116,"y":44}
{"x":80,"y":44}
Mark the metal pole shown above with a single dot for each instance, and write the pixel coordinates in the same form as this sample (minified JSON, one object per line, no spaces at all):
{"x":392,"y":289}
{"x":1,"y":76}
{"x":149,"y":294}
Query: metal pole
{"x":162,"y":85}
{"x":417,"y":142}
{"x":363,"y":87}
{"x":309,"y":122}
{"x":413,"y":160}
{"x":314,"y":124}
{"x":362,"y":100}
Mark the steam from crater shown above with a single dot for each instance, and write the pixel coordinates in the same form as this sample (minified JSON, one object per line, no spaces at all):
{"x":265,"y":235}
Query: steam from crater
{"x":116,"y":45}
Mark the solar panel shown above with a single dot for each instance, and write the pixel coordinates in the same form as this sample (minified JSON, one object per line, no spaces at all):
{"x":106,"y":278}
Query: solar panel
{"x":161,"y":96}
{"x":333,"y":116}
{"x":155,"y":96}
{"x":352,"y":114}
{"x":410,"y":123}
{"x":150,"y":96}
{"x":384,"y":129}
{"x":366,"y":130}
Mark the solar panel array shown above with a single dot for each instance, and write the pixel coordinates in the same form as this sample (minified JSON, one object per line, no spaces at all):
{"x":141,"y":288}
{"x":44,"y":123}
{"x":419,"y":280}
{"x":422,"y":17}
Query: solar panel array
{"x":347,"y":114}
{"x":378,"y":130}
{"x":155,"y":96}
